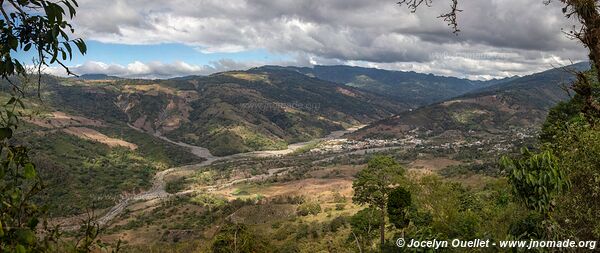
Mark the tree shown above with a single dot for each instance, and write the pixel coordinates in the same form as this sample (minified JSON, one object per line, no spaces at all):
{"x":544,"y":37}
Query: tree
{"x":40,"y":25}
{"x":373,"y":185}
{"x":570,"y":152}
{"x":364,"y":226}
{"x":536,"y":179}
{"x":559,"y":118}
{"x":399,"y":201}
{"x":576,"y":144}
{"x":538,"y":182}
{"x":238,"y":238}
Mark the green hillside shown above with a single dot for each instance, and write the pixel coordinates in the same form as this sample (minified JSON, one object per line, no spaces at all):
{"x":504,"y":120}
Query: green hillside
{"x":79,"y":172}
{"x":231,"y":112}
{"x":522,"y":102}
{"x":413,"y":88}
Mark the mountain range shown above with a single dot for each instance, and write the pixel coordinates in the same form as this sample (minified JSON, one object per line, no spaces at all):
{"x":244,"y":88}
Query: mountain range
{"x":230,"y":112}
{"x":269,"y":107}
{"x":416,"y":89}
{"x":521,"y":102}
{"x":108,"y":128}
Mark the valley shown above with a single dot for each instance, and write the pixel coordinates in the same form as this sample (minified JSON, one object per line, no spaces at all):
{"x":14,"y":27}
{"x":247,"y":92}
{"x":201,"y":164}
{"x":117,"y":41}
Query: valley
{"x":299,"y":126}
{"x":158,"y":191}
{"x":268,"y":184}
{"x":188,"y":191}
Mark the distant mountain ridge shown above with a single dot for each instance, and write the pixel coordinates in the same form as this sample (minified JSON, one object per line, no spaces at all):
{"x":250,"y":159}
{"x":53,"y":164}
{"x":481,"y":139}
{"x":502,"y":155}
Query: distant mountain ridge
{"x":520,"y":102}
{"x":407,"y":87}
{"x":97,"y":77}
{"x":228,"y":112}
{"x":271,"y":106}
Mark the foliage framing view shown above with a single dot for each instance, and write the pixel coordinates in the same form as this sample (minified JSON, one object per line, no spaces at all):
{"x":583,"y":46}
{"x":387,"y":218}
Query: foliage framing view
{"x":41,"y":26}
{"x":553,"y":181}
{"x":555,"y":185}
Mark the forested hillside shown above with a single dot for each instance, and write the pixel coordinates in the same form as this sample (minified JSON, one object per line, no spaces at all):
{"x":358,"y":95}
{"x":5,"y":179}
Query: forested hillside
{"x":413,"y":88}
{"x":519,"y":103}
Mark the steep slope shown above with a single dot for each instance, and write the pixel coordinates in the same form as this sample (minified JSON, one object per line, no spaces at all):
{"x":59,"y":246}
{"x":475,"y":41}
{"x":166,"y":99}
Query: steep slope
{"x":230,"y":112}
{"x":522,"y":102}
{"x":409,"y":87}
{"x":88,"y":162}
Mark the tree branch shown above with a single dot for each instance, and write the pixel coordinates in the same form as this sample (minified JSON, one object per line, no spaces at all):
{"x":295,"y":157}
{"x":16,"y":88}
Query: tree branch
{"x":9,"y":22}
{"x":449,"y":17}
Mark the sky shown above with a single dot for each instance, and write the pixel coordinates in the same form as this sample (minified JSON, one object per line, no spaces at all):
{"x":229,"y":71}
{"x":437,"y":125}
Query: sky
{"x":162,"y":39}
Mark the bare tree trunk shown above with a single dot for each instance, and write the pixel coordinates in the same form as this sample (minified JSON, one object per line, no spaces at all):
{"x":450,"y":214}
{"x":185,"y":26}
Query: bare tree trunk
{"x":587,"y":13}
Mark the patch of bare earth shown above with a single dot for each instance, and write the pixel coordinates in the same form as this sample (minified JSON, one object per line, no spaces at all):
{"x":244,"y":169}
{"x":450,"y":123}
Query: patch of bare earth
{"x":173,"y":114}
{"x":484,"y":101}
{"x":431,"y":165}
{"x":149,"y":89}
{"x":249,"y":77}
{"x":61,"y":119}
{"x":91,"y":134}
{"x":312,"y":188}
{"x":346,"y":92}
{"x":76,"y":125}
{"x":322,"y":185}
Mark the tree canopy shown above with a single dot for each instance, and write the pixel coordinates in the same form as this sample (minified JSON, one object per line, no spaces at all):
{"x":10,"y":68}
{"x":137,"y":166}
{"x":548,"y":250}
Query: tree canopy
{"x":374,"y":184}
{"x":42,"y":26}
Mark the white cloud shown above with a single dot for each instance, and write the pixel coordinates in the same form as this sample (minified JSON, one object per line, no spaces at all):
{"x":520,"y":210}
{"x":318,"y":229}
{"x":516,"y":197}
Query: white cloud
{"x":524,"y":32}
{"x":151,"y":70}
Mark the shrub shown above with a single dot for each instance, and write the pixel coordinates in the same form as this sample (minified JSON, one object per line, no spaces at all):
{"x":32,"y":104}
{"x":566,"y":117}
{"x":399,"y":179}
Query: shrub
{"x":308,"y":208}
{"x":337,"y":223}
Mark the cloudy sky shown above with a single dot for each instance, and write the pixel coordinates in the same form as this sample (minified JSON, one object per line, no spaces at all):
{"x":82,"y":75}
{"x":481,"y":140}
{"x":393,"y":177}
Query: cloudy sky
{"x":157,"y":38}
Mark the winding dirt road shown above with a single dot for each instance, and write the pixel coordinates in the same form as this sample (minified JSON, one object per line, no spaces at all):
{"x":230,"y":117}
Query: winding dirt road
{"x":157,"y":191}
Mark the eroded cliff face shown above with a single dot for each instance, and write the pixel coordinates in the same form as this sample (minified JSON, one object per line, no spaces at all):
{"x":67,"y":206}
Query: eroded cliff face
{"x":154,"y":108}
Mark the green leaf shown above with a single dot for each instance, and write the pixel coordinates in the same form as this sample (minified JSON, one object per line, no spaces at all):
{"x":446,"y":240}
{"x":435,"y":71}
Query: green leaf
{"x":11,"y":100}
{"x":26,"y":236}
{"x":13,"y":43}
{"x":81,"y":46}
{"x":20,"y":249}
{"x":33,"y":222}
{"x":71,"y":8}
{"x":19,"y":67}
{"x":29,"y":171}
{"x":20,"y":102}
{"x":10,"y":67}
{"x":5,"y":133}
{"x":15,"y":195}
{"x":49,"y":12}
{"x":55,"y":31}
{"x":68,"y":49}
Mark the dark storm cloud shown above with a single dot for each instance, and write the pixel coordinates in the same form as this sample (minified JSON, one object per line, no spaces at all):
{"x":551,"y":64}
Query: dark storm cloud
{"x":525,"y":33}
